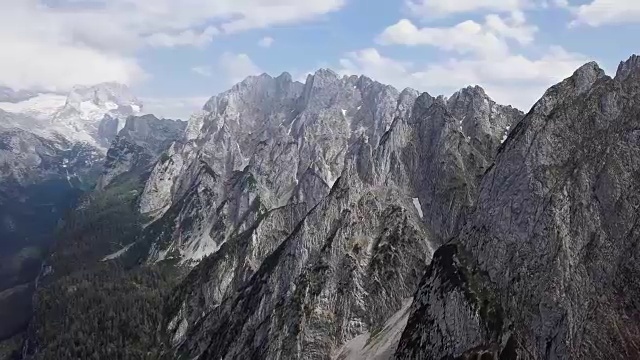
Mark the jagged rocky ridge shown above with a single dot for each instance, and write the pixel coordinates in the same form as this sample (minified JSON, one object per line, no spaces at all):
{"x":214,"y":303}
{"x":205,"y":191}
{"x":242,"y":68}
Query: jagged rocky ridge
{"x":546,"y":267}
{"x":289,"y":142}
{"x":319,"y":205}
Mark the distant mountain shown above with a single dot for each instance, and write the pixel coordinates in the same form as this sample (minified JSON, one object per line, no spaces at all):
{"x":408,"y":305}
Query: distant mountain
{"x":8,"y":95}
{"x":80,"y":116}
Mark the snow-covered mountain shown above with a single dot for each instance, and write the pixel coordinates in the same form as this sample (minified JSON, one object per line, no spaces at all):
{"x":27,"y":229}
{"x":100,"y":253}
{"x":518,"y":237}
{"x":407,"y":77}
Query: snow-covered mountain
{"x":78,"y":115}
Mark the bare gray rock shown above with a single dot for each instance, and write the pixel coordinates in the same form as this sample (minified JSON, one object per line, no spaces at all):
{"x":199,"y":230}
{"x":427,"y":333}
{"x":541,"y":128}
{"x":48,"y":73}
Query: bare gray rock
{"x":321,"y":206}
{"x":553,"y":233}
{"x":138,"y":145}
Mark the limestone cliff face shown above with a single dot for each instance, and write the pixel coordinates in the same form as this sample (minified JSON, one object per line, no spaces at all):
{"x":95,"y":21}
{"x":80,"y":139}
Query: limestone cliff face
{"x":319,"y":207}
{"x":551,"y":246}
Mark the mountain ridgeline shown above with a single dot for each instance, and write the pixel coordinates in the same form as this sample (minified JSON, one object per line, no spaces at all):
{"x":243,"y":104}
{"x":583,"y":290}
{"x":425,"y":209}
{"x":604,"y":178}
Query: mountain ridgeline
{"x":344,"y":219}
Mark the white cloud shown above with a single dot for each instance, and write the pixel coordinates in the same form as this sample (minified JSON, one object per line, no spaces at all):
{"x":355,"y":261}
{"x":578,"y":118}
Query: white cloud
{"x":203,"y":70}
{"x":255,"y":14}
{"x":72,"y":42}
{"x":604,"y":12}
{"x":44,"y":56}
{"x":147,"y":17}
{"x":515,"y":80}
{"x":515,"y":27}
{"x":266,"y":42}
{"x":174,"y":108}
{"x":237,"y":67}
{"x":184,"y":38}
{"x":485,"y":55}
{"x":488,"y":39}
{"x":440,"y":8}
{"x":371,"y":63}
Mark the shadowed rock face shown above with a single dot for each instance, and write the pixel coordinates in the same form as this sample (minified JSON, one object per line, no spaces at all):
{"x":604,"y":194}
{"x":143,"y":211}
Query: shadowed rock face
{"x":139,"y":145}
{"x":553,"y":238}
{"x":319,"y":206}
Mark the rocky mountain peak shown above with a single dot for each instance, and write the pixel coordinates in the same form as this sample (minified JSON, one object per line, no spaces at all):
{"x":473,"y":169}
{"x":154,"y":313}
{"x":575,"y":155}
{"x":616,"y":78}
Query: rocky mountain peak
{"x":474,"y":91}
{"x":325,"y":74}
{"x":425,"y":100}
{"x":254,"y":81}
{"x":410,"y":92}
{"x":108,"y":94}
{"x":629,"y":68}
{"x":255,"y":94}
{"x":581,"y":81}
{"x":586,"y":76}
{"x":285,"y":77}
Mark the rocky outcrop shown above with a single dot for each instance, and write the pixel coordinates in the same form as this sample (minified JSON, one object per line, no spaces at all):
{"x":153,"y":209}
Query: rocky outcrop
{"x":139,"y":145}
{"x":455,"y":313}
{"x":108,"y":130}
{"x":553,"y":234}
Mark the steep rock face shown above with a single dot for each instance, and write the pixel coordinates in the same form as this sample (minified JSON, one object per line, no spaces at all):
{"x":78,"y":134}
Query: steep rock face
{"x":343,"y":270}
{"x":139,"y":145}
{"x":322,"y":230}
{"x":265,"y":122}
{"x":108,"y":129}
{"x":259,"y":126}
{"x":455,"y":313}
{"x":441,"y":151}
{"x":554,"y":233}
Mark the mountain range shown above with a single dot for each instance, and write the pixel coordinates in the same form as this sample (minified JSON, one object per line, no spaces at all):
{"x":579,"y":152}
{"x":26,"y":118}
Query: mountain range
{"x":338,"y":218}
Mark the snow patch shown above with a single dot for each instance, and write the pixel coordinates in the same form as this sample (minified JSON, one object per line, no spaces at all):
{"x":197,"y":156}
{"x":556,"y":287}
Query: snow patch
{"x":41,"y":107}
{"x":416,"y":203}
{"x":117,"y":254}
{"x":506,"y":134}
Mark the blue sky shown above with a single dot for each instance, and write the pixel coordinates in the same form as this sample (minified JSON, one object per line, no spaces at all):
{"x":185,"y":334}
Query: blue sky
{"x":176,"y":54}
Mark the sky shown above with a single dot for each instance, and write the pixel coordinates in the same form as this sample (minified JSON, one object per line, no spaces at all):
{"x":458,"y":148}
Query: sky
{"x":176,"y":54}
